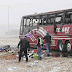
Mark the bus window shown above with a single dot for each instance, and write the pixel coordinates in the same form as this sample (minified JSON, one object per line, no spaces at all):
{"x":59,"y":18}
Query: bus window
{"x":24,"y":22}
{"x":48,"y":21}
{"x":71,"y":18}
{"x":67,"y":18}
{"x":35,"y":22}
{"x":29,"y":22}
{"x":44,"y":21}
{"x":52,"y":21}
{"x":58,"y":20}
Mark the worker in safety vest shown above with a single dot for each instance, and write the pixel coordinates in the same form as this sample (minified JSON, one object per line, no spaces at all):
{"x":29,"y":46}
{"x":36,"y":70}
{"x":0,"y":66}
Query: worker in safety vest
{"x":39,"y":47}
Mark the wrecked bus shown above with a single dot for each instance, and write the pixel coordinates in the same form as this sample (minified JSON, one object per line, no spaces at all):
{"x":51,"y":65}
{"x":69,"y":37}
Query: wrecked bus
{"x":57,"y":23}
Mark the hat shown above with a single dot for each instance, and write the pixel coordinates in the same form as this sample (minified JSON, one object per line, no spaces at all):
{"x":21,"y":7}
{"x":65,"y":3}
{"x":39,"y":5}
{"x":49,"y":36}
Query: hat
{"x":47,"y":33}
{"x":25,"y":37}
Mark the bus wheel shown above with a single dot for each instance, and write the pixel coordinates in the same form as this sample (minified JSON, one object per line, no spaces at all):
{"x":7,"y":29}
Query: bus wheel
{"x":68,"y":46}
{"x":60,"y":46}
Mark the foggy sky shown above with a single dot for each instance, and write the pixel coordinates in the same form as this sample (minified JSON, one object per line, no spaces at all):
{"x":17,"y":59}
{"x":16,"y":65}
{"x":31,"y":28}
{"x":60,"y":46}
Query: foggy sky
{"x":18,"y":8}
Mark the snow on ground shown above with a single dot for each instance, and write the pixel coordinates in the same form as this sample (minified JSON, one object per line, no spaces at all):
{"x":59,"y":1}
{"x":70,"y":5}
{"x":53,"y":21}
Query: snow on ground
{"x":51,"y":64}
{"x":9,"y":61}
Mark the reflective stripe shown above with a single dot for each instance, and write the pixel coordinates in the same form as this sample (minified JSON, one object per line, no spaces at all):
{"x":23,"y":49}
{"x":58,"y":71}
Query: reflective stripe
{"x":41,"y":41}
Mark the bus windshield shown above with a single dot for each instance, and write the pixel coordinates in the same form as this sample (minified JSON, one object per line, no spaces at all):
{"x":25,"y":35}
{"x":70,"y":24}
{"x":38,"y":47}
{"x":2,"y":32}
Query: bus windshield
{"x":27,"y":24}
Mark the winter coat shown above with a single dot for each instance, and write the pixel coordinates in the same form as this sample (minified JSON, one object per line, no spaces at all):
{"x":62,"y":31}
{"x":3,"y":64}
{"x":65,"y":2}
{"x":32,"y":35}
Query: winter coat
{"x":47,"y":38}
{"x":24,"y":43}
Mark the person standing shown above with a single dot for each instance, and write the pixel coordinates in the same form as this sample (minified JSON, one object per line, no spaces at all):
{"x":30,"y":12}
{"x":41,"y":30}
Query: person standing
{"x":48,"y":42}
{"x":24,"y":44}
{"x":39,"y":47}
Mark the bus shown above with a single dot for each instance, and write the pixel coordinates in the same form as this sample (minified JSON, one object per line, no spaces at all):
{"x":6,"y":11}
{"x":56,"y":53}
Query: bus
{"x":57,"y":23}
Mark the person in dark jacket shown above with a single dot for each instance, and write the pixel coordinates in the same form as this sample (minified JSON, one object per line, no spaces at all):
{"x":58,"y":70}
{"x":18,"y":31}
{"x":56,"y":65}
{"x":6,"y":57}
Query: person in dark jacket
{"x":24,"y":44}
{"x":48,"y":42}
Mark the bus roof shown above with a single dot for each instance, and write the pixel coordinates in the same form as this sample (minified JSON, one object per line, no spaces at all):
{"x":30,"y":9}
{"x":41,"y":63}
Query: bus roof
{"x":48,"y":13}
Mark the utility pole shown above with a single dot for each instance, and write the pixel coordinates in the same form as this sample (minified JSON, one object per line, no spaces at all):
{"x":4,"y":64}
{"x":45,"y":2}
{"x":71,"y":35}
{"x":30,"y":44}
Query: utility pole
{"x":8,"y":18}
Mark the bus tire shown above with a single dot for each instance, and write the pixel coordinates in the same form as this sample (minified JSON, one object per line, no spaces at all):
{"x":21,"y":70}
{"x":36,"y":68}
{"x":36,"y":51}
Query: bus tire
{"x":68,"y":46}
{"x":60,"y":46}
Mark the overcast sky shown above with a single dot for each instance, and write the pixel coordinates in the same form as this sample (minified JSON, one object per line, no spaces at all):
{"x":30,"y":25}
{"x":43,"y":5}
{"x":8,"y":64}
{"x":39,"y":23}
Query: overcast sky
{"x":19,"y":8}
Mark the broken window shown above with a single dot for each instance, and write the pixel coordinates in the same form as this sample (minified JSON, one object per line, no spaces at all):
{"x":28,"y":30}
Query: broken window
{"x":67,"y":18}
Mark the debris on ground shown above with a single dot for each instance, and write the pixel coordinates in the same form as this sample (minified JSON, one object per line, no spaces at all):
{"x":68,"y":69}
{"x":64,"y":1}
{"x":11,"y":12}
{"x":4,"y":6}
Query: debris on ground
{"x":36,"y":61}
{"x":35,"y":56}
{"x":30,"y":56}
{"x":34,"y":51}
{"x":55,"y":69}
{"x":42,"y":55}
{"x":32,"y":64}
{"x":12,"y":68}
{"x":1,"y":50}
{"x":12,"y":51}
{"x":6,"y":48}
{"x":8,"y":56}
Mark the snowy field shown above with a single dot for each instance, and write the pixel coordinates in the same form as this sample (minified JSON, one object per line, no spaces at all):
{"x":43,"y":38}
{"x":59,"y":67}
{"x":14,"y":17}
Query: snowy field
{"x":47,"y":64}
